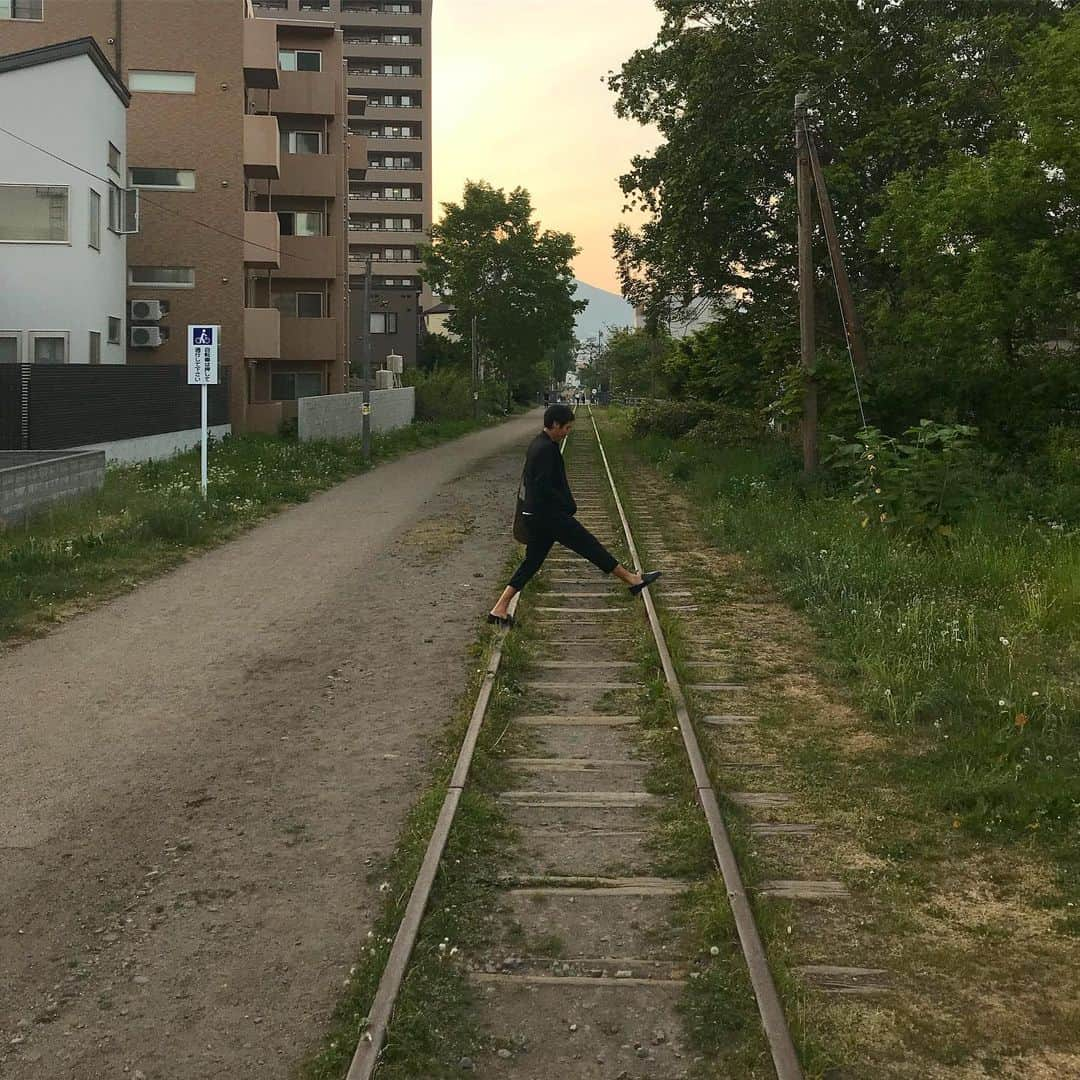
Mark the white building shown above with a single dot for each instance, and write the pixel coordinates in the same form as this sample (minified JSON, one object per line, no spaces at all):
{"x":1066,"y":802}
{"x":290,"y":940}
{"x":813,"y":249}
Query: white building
{"x":63,"y":249}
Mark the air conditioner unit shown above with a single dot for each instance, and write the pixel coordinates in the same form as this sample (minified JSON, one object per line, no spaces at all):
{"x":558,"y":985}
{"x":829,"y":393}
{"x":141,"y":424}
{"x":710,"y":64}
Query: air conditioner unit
{"x":384,"y":380}
{"x":148,"y":310}
{"x":145,"y":337}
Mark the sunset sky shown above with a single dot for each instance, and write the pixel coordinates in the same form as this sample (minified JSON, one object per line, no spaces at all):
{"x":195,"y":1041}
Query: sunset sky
{"x":518,"y":101}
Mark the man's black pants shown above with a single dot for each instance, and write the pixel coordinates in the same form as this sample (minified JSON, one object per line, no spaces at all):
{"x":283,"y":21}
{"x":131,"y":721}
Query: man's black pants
{"x":568,"y":531}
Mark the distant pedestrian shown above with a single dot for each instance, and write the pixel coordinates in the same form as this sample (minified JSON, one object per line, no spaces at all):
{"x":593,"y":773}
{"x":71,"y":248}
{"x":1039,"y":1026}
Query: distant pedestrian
{"x":549,"y":517}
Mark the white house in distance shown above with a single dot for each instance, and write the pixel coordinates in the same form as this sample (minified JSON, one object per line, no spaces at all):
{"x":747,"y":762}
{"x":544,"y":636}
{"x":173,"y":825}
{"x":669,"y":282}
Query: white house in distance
{"x":64,"y":214}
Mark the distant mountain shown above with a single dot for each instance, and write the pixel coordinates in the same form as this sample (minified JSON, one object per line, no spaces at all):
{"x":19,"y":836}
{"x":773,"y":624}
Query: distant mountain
{"x":605,"y":309}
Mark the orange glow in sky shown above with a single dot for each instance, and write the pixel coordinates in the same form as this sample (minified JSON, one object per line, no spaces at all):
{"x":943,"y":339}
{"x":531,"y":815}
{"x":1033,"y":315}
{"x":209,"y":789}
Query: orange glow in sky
{"x":518,"y":101}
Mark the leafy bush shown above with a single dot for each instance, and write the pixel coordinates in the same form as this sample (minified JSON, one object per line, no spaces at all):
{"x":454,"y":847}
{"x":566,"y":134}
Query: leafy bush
{"x":714,"y":423}
{"x":920,"y":486}
{"x":730,"y":427}
{"x":446,"y":394}
{"x":1063,"y":454}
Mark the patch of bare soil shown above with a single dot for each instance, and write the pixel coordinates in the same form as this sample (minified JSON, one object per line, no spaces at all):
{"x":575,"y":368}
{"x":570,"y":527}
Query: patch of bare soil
{"x":199,"y":780}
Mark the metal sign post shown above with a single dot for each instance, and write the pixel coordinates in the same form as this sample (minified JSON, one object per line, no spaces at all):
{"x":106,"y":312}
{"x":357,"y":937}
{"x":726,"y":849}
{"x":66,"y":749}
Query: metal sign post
{"x":203,"y":343}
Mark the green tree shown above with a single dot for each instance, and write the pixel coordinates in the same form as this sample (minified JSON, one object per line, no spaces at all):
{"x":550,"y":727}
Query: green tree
{"x":490,"y":259}
{"x":900,"y":89}
{"x":440,"y":351}
{"x":633,"y":360}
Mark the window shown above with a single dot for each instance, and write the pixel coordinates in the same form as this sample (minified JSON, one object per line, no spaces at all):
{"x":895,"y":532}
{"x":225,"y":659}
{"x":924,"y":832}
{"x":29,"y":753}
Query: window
{"x":10,"y":341}
{"x":162,"y":277}
{"x":22,"y":9}
{"x":304,"y":305}
{"x":164,"y":179}
{"x":95,"y":347}
{"x":301,"y":223}
{"x":123,"y":210}
{"x":114,"y":159}
{"x":299,"y":60}
{"x":301,"y":142}
{"x":292,"y":385}
{"x":48,"y":346}
{"x":95,"y":220}
{"x":33,"y":215}
{"x":384,"y":323}
{"x":116,"y":330}
{"x":162,"y":82}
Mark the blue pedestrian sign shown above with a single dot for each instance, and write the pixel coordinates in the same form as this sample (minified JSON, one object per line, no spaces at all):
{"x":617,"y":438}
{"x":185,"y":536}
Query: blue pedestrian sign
{"x":203,"y":342}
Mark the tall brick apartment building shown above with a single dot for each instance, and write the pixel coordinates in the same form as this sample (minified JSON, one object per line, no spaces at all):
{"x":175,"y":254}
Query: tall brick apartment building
{"x":239,"y":147}
{"x":388,"y":56}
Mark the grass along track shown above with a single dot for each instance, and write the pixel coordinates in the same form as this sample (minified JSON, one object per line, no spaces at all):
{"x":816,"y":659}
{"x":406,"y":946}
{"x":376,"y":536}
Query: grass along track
{"x":965,"y":954}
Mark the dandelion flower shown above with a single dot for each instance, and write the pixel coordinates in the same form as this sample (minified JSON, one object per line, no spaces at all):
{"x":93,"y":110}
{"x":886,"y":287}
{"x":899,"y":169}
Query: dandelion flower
{"x":1004,"y":641}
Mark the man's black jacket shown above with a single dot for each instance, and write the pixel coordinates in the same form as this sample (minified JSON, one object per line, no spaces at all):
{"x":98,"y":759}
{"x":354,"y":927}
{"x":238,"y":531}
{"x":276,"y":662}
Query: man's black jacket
{"x":547,"y":492}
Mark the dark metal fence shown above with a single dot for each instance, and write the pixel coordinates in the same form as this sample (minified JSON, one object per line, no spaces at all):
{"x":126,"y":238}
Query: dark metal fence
{"x":45,"y":407}
{"x":12,"y":401}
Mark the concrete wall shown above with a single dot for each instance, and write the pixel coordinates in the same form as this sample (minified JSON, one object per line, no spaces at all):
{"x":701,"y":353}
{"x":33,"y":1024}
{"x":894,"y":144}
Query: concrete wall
{"x":392,"y":409}
{"x":339,"y":416}
{"x":69,"y":287}
{"x":31,"y":481}
{"x":154,"y":447}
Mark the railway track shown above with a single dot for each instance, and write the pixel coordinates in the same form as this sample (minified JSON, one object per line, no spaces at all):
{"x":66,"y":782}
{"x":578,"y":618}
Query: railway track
{"x":586,"y":970}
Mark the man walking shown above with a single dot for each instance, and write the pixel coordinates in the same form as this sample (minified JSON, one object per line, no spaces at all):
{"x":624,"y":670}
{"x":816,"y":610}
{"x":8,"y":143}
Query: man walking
{"x":549,"y":516}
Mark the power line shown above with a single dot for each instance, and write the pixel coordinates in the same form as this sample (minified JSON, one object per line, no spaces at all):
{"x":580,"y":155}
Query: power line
{"x":144,"y":199}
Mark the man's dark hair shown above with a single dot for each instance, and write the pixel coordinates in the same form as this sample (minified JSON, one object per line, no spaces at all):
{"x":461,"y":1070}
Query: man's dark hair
{"x":557,"y":414}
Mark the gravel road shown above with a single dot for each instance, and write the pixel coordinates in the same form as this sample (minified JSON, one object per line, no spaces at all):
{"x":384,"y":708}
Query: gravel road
{"x":198,"y":780}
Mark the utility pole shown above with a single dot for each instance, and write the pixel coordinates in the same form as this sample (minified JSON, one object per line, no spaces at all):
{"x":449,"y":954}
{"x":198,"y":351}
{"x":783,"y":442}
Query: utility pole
{"x":852,"y":329}
{"x":475,"y":377}
{"x":803,"y":178}
{"x":365,"y":340}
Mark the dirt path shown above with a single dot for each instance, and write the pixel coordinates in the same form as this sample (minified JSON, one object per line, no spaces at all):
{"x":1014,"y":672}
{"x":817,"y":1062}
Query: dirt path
{"x":197,"y":779}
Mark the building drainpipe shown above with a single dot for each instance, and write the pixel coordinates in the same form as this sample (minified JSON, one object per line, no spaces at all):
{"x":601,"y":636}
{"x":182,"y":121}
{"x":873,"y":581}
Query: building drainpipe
{"x":120,"y":37}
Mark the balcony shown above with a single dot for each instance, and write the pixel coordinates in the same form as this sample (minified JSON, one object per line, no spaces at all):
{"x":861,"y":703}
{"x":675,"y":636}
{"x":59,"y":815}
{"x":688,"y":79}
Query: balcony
{"x":381,"y":50}
{"x":378,"y":204}
{"x":262,"y":240}
{"x":358,"y":152}
{"x":310,"y":257}
{"x":260,"y":54}
{"x":363,"y":233}
{"x":396,"y":143}
{"x":262,"y":153}
{"x":357,"y":80}
{"x":351,"y":8}
{"x":315,"y":340}
{"x":384,"y":267}
{"x":381,"y":175}
{"x":262,"y":334}
{"x":317,"y":175}
{"x":309,"y":93}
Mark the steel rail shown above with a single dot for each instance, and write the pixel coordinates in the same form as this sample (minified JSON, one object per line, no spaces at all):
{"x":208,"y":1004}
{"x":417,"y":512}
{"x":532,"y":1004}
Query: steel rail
{"x":774,"y":1022}
{"x":370,"y":1047}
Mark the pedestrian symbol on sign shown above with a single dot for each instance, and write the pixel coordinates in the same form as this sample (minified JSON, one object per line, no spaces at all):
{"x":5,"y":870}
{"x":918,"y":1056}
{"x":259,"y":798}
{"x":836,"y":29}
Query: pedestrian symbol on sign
{"x":203,"y":335}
